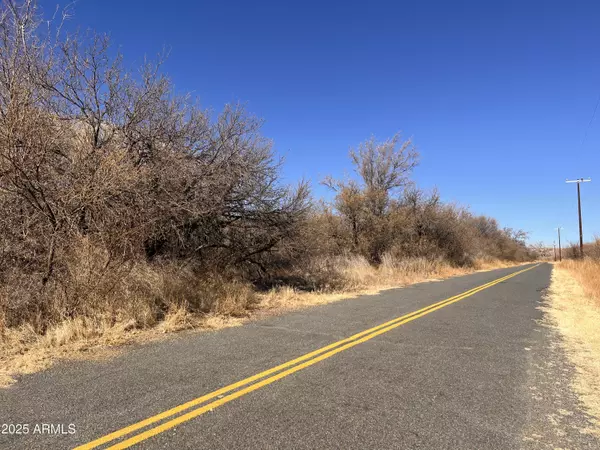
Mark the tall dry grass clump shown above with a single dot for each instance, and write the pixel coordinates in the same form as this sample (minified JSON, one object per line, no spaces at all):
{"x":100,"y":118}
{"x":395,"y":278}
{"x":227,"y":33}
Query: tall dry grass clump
{"x":587,"y":273}
{"x":353,"y":275}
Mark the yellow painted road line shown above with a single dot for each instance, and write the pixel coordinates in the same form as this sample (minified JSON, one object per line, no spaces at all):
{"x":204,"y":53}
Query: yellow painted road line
{"x":309,"y":359}
{"x":177,"y":409}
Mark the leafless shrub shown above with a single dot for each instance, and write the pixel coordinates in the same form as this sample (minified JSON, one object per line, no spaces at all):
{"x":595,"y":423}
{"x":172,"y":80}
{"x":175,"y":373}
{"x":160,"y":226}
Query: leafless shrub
{"x":91,"y":154}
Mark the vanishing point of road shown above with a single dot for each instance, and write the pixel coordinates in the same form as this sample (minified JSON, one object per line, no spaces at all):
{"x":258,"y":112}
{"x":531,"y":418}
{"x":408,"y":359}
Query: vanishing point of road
{"x":465,"y":363}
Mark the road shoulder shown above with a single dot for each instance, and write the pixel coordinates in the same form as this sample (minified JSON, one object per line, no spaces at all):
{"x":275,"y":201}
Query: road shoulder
{"x":573,"y":317}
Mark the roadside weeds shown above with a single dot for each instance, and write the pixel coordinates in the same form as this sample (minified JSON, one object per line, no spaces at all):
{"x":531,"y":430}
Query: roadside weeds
{"x":23,"y":351}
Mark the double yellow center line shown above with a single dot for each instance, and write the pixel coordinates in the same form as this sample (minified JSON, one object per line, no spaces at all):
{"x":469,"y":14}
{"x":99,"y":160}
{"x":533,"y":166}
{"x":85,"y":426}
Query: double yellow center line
{"x":269,"y":376}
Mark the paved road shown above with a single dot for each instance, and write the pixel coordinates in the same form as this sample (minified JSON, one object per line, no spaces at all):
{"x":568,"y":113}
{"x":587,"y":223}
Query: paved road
{"x":478,"y":372}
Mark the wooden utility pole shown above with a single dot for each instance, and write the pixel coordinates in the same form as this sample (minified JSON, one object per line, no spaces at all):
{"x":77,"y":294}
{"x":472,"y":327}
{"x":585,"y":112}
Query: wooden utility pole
{"x":579,"y":181}
{"x":559,"y":247}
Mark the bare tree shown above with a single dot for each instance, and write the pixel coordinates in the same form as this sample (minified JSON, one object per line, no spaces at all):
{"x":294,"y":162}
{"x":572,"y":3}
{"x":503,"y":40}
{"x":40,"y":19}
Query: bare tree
{"x":385,"y":166}
{"x":384,"y":169}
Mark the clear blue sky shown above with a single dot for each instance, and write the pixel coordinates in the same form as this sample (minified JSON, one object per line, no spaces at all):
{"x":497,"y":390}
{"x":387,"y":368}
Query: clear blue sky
{"x":497,"y":95}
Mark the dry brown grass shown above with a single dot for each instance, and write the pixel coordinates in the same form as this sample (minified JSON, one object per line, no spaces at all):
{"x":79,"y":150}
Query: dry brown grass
{"x":216,"y":304}
{"x":587,"y":273}
{"x":23,"y":351}
{"x":355,"y":276}
{"x":483,"y":264}
{"x":574,"y":309}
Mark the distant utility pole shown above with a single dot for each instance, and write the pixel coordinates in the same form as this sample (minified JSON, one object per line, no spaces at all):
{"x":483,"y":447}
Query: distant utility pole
{"x":554,"y":245}
{"x":579,"y":181}
{"x":559,"y":248}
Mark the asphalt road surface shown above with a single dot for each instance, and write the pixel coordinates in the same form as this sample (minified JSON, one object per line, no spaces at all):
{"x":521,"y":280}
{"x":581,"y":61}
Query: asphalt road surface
{"x":417,"y":367}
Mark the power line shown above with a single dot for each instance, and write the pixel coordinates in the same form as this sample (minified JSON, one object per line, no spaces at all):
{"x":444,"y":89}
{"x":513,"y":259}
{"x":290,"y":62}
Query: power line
{"x":591,"y":120}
